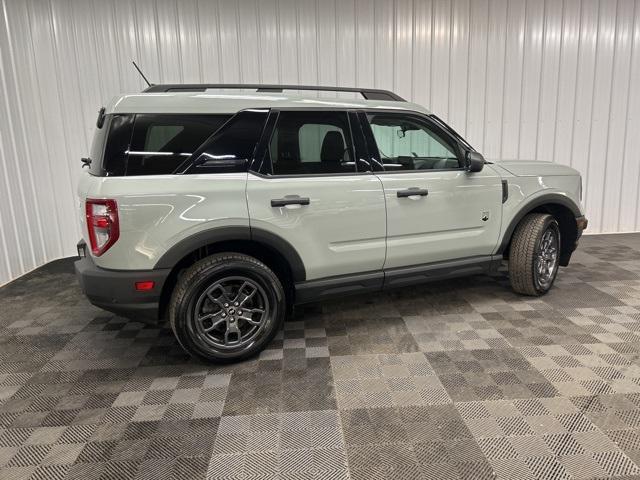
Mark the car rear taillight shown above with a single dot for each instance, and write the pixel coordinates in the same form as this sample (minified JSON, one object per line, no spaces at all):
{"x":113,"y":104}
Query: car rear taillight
{"x":102,"y":224}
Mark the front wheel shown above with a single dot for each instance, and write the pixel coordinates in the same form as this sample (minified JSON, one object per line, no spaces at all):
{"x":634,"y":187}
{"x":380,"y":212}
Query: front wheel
{"x":534,"y":254}
{"x":227,"y":307}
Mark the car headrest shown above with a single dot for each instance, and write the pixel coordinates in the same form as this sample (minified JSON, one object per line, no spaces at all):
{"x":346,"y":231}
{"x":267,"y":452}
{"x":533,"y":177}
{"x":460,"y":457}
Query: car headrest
{"x":332,"y":147}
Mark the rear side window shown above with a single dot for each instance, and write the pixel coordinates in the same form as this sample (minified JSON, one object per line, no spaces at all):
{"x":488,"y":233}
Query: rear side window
{"x":308,"y":143}
{"x":232,"y":147}
{"x":161,"y":143}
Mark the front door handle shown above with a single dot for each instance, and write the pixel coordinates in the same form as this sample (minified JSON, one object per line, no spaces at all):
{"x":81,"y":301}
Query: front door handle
{"x":410,"y":192}
{"x":290,"y":200}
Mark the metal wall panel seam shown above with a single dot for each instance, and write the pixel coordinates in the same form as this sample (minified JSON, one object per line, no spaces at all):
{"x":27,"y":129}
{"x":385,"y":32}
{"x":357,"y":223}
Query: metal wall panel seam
{"x":575,"y":91}
{"x":41,"y":129}
{"x":59,"y":96}
{"x":12,"y":214}
{"x":608,"y":136}
{"x":18,"y":169}
{"x":198,"y":37}
{"x":585,"y":174}
{"x":23,"y":129}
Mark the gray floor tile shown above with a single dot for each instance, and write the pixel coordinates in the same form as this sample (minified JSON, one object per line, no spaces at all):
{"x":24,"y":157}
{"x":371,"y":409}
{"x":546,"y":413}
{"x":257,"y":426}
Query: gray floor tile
{"x":459,"y":379}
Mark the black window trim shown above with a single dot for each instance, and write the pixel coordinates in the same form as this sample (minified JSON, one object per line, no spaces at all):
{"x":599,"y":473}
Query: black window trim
{"x":189,"y":163}
{"x":99,"y":170}
{"x":453,"y":142}
{"x":132,"y":117}
{"x":263,"y":168}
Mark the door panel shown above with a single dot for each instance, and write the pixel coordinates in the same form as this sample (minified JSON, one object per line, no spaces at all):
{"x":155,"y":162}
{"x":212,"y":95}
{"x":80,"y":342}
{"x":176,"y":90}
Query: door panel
{"x":310,"y":194}
{"x":436,"y":210}
{"x":459,"y":217}
{"x":340,"y":231}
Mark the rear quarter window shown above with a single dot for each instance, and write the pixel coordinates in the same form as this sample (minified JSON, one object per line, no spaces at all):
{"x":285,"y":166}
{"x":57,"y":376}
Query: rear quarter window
{"x":129,"y":144}
{"x":161,"y":143}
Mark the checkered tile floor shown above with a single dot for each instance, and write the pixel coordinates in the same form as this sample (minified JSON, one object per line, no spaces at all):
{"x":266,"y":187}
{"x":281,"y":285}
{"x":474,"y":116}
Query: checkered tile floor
{"x":455,"y":379}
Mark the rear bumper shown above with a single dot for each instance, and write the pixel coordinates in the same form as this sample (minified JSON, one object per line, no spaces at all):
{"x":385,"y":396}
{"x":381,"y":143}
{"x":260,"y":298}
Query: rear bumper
{"x":114,"y":290}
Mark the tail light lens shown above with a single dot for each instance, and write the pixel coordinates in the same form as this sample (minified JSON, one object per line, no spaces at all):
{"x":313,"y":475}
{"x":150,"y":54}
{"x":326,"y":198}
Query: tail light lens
{"x":103,"y":224}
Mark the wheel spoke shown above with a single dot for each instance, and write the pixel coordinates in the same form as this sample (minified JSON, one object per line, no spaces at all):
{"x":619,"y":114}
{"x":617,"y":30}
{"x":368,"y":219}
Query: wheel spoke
{"x":232,"y":329}
{"x":215,"y":300}
{"x":214,"y":324}
{"x":242,"y":297}
{"x":547,"y":256}
{"x":223,"y":297}
{"x":248,"y":316}
{"x":249,"y":320}
{"x":231,"y":313}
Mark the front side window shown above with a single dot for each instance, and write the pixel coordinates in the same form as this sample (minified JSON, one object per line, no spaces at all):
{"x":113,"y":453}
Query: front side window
{"x":161,"y":143}
{"x":408,"y":143}
{"x":311,"y":143}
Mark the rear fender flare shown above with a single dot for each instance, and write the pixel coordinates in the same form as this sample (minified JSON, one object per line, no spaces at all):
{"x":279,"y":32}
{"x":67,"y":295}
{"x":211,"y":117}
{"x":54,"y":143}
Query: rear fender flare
{"x":221,"y":234}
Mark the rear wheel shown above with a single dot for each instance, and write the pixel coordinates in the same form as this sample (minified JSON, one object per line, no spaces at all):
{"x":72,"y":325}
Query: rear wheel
{"x":534,"y":254}
{"x":227,"y":307}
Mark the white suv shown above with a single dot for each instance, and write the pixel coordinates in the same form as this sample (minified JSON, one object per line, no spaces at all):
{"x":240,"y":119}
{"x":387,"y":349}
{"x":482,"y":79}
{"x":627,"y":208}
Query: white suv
{"x":226,"y":209}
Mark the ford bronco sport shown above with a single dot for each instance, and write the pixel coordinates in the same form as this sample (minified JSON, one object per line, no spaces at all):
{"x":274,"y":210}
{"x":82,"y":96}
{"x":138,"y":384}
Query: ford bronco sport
{"x":223,"y":210}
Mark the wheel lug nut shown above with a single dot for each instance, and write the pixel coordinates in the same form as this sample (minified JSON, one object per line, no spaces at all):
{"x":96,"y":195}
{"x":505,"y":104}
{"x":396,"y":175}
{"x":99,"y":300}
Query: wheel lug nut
{"x":224,"y":315}
{"x":236,"y":304}
{"x":226,"y":304}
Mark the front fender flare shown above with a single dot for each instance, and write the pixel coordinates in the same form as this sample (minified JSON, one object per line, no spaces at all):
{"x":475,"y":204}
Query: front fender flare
{"x":528,"y":206}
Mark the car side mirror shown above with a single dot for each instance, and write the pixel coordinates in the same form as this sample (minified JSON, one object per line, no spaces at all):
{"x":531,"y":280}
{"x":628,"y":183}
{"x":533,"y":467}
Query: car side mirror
{"x":475,"y":161}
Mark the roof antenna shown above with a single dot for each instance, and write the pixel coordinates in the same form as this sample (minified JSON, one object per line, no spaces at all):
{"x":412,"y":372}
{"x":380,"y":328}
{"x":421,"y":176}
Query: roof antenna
{"x":142,"y":74}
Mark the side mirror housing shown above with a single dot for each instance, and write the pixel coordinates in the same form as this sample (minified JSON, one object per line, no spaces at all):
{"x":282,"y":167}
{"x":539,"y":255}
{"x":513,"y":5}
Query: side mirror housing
{"x":475,"y":161}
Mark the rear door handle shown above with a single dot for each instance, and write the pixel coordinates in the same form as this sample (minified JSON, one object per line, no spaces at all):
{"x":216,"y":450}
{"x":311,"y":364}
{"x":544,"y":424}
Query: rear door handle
{"x":290,"y":200}
{"x":410,"y":192}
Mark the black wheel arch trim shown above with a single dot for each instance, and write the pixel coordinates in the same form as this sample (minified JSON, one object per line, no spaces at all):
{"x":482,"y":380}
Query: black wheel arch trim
{"x":221,"y":234}
{"x":547,"y":199}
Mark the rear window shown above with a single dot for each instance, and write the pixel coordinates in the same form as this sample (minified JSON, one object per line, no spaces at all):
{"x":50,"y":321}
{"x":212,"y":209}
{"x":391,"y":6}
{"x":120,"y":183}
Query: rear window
{"x":148,"y":144}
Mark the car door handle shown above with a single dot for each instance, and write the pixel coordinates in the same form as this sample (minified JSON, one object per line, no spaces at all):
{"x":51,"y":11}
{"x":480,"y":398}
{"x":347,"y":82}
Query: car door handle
{"x":410,"y":192}
{"x":290,"y":200}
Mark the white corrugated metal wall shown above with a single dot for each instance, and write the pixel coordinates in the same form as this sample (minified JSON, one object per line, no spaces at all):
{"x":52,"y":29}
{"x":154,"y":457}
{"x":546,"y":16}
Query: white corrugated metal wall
{"x":530,"y":79}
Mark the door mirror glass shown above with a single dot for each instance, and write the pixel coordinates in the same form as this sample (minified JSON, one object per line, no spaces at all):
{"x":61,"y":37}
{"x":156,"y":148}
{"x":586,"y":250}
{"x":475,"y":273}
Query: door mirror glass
{"x":475,"y":161}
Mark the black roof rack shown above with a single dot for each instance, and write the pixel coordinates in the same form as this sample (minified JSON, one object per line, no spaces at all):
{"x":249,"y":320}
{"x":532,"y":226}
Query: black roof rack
{"x":367,"y":93}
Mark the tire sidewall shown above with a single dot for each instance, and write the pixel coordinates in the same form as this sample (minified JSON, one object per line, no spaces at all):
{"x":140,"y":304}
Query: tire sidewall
{"x":549,"y":222}
{"x":185,"y":305}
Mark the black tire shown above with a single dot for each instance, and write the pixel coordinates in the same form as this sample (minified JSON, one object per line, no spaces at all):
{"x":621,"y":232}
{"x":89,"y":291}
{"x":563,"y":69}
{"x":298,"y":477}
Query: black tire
{"x":526,"y":249}
{"x":209,"y":284}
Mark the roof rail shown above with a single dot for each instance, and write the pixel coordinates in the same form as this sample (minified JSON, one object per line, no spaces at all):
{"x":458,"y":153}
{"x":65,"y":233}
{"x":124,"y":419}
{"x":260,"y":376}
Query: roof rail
{"x":367,"y":93}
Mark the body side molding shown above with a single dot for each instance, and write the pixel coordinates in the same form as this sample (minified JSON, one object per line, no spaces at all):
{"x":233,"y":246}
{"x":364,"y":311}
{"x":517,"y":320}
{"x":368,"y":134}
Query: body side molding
{"x":342,"y":285}
{"x":415,"y":274}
